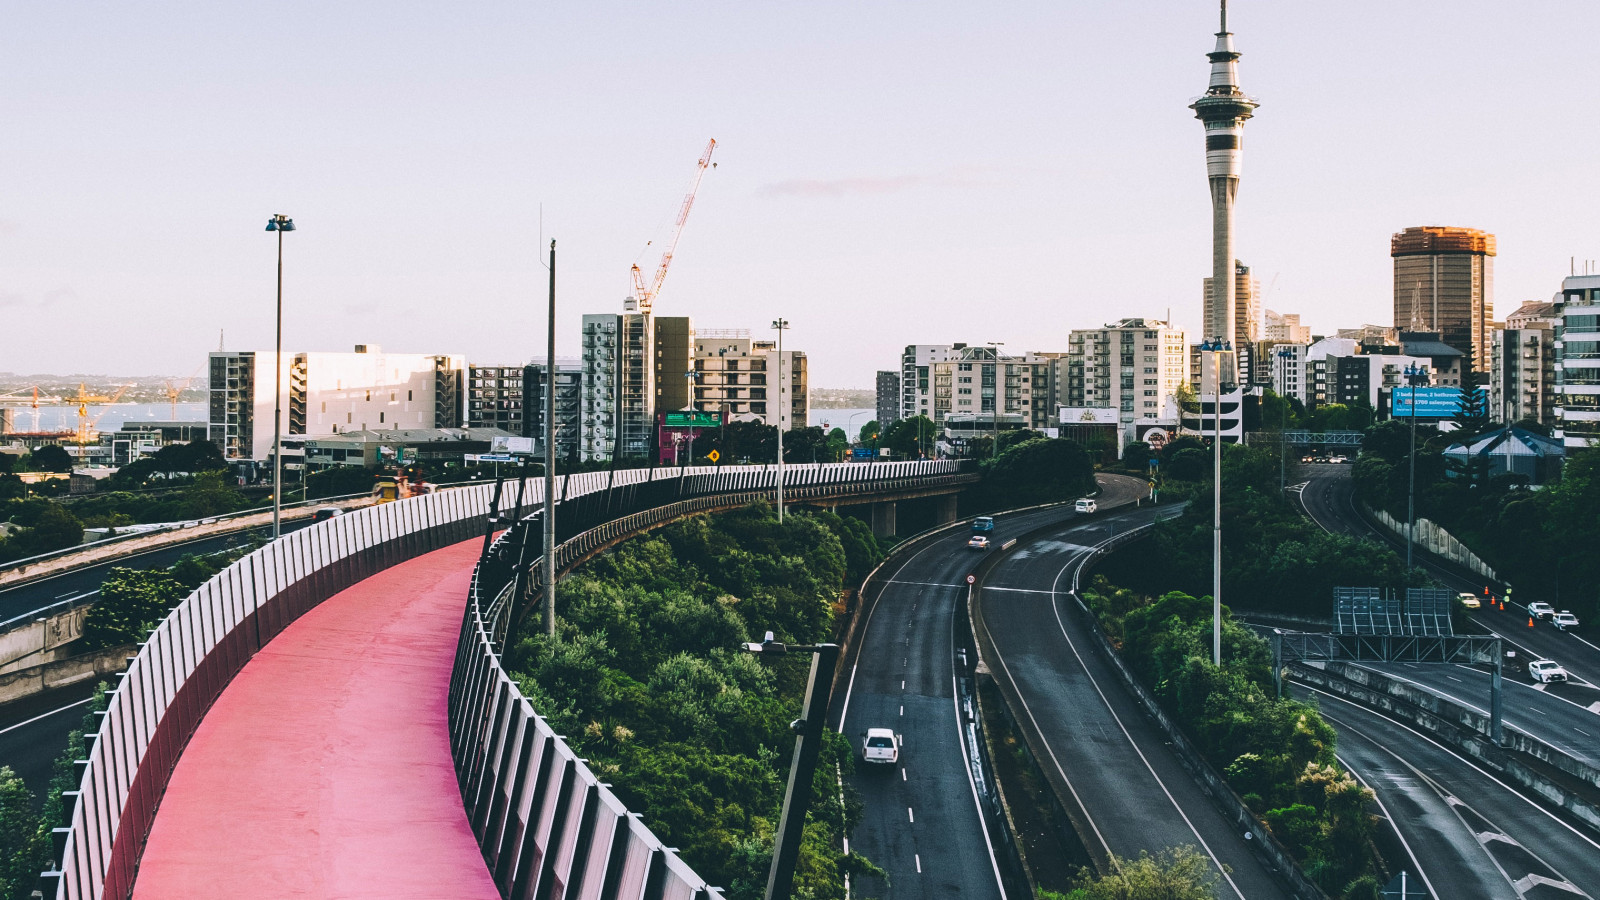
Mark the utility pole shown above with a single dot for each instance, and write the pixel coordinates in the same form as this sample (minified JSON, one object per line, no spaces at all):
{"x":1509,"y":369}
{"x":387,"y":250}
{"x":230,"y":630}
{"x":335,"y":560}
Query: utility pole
{"x":550,"y":458}
{"x":1216,"y":348}
{"x":1415,"y":375}
{"x":279,"y":223}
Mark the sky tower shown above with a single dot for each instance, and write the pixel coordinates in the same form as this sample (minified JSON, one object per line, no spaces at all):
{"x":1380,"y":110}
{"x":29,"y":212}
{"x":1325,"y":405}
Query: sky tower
{"x":1223,"y":108}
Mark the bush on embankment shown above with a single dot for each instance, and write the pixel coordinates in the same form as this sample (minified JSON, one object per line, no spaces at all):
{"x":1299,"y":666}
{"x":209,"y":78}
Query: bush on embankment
{"x":646,"y":679}
{"x":1278,"y":754}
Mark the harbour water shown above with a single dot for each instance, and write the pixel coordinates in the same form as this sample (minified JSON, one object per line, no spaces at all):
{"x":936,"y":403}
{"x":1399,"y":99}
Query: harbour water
{"x":64,"y":416}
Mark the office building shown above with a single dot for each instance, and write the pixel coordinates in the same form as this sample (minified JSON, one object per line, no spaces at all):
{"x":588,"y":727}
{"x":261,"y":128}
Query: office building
{"x":968,"y":385}
{"x":1223,"y":108}
{"x":1444,"y":282}
{"x":1578,"y":362}
{"x":138,"y":439}
{"x":1369,"y":379}
{"x":674,"y":355}
{"x":329,"y":393}
{"x":749,"y":379}
{"x":1246,"y":305}
{"x":888,"y":406}
{"x":1291,"y":371}
{"x":1284,"y":328}
{"x":1132,"y":366}
{"x":1522,"y":368}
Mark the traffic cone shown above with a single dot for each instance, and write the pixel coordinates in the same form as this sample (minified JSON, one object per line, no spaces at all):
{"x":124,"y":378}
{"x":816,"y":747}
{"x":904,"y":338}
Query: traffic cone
{"x":1530,"y":621}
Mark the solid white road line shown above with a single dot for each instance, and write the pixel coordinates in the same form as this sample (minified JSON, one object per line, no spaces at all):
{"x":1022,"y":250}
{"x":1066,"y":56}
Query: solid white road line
{"x":45,"y":715}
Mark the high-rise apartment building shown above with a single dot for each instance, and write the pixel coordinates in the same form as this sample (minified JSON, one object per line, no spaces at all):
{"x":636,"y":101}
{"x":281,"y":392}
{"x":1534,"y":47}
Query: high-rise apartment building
{"x":888,"y":407}
{"x":494,"y":398}
{"x":633,"y":365}
{"x":749,"y":379}
{"x":1444,"y":282}
{"x":967,"y":387}
{"x":1578,"y":362}
{"x":1132,"y":366}
{"x":330,"y":393}
{"x":1522,"y":368}
{"x":674,"y":355}
{"x":569,"y":405}
{"x":916,"y":376}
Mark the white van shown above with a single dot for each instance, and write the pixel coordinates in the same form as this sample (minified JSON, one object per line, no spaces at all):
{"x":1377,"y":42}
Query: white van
{"x":1086,"y":505}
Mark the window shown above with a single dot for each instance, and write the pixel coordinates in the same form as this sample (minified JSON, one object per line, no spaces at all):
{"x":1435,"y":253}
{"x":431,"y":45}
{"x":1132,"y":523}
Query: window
{"x":408,"y":395}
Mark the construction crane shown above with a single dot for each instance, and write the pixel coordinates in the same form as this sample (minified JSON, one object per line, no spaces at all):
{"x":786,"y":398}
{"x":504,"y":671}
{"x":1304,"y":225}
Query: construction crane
{"x":176,"y":389}
{"x":86,"y":428}
{"x":22,"y":400}
{"x":644,"y":297}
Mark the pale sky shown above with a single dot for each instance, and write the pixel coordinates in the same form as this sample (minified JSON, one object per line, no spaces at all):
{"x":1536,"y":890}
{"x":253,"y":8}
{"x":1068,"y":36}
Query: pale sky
{"x":887,"y":173}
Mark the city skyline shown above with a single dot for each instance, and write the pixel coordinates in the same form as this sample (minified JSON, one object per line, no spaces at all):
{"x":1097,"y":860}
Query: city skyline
{"x":927,"y":180}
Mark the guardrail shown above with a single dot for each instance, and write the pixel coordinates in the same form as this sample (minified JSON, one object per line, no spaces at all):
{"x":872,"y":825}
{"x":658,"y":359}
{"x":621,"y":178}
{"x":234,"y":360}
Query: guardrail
{"x":189,"y":659}
{"x":540,"y":815}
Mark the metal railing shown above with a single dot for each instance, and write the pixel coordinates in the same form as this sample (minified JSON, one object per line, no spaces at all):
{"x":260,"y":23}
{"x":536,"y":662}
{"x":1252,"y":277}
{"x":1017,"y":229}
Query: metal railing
{"x":540,"y":815}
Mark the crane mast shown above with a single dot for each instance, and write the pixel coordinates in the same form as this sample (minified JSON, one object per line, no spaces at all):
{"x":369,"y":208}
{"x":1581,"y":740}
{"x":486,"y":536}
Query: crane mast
{"x":644,"y":296}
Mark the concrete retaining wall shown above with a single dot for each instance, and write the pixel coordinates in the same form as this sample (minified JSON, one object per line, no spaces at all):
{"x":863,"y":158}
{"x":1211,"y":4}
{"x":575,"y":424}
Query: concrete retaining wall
{"x":1462,"y":729}
{"x":1437,"y":541}
{"x":43,"y":640}
{"x":60,"y":673}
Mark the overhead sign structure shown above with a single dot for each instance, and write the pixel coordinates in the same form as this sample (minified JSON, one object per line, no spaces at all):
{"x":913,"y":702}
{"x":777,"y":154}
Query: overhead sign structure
{"x":503,"y":444}
{"x":687,"y":418}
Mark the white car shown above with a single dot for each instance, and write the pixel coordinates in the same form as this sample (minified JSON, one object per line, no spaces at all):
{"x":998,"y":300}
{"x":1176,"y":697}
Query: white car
{"x":1564,"y":620}
{"x":1470,"y":601}
{"x":880,"y":746}
{"x":978,"y":542}
{"x":1546,"y":671}
{"x":1540,"y":609}
{"x":1086,"y":505}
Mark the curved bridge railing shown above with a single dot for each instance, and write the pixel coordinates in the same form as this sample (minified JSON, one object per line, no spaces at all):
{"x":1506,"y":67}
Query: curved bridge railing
{"x":547,"y":825}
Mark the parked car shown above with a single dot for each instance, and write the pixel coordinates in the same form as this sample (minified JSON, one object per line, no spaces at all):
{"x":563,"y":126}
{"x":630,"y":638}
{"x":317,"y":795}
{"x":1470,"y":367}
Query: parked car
{"x":1546,"y":671}
{"x":1540,"y":609}
{"x":325,"y":513}
{"x":1470,"y":601}
{"x":879,"y":746}
{"x":983,"y":525}
{"x":1086,"y":505}
{"x":978,"y":542}
{"x":1564,"y":620}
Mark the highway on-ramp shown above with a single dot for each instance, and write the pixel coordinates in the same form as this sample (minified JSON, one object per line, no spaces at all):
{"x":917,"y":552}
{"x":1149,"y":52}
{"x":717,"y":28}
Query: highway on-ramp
{"x":1126,"y":779}
{"x":921,"y":822}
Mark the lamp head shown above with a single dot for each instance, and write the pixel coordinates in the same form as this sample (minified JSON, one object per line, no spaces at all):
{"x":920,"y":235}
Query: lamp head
{"x":767,"y":645}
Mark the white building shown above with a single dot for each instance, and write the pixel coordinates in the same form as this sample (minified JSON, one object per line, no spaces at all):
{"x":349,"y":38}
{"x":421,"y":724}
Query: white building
{"x":916,"y":376}
{"x":329,"y":393}
{"x":1132,"y":366}
{"x":1291,"y":371}
{"x":1522,"y":366}
{"x":1578,"y":362}
{"x":1285,"y":328}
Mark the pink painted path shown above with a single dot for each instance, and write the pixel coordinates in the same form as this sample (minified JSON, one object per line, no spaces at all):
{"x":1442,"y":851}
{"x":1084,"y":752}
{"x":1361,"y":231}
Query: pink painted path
{"x":324,"y":769}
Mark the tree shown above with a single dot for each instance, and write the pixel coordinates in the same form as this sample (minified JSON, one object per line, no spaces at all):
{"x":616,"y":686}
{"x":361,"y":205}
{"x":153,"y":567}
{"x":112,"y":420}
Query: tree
{"x":868,"y":432}
{"x":1178,"y":873}
{"x":1039,"y":471}
{"x":740,"y":442}
{"x":209,"y":496}
{"x":52,"y":458}
{"x":340,"y":480}
{"x":131,"y":602}
{"x":910,"y":438}
{"x":805,"y":445}
{"x":19,"y":837}
{"x":1472,"y":414}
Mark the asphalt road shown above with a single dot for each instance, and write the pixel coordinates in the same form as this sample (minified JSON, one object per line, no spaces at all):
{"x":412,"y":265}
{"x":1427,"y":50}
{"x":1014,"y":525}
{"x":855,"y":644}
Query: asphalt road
{"x":1327,"y":497}
{"x":84,"y":582}
{"x":37,"y":732}
{"x":1468,"y":833}
{"x":921,"y":822}
{"x":1127,"y":780}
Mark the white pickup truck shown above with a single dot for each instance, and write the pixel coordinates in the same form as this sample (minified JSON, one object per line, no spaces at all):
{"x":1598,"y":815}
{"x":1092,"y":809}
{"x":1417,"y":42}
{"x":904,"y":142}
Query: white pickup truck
{"x":1540,"y":610}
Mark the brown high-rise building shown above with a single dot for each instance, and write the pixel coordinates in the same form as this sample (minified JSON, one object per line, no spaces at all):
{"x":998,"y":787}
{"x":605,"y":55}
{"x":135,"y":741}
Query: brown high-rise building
{"x":1444,"y":282}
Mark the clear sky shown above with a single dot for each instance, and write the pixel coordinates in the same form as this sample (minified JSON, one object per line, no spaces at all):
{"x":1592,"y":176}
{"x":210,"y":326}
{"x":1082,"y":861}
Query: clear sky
{"x":887,"y":173}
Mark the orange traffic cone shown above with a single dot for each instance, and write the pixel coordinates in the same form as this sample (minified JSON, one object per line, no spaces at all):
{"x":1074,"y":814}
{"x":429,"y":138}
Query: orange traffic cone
{"x":1530,"y":621}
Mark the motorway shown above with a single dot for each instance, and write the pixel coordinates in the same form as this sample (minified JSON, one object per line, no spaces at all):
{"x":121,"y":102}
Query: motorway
{"x":1566,"y":715}
{"x":1124,"y":776}
{"x":921,"y":822}
{"x":1468,"y":833}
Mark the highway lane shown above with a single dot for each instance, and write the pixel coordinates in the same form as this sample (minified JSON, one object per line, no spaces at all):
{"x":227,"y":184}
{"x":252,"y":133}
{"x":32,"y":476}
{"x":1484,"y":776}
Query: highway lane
{"x":1130,"y":784}
{"x":36,"y":732}
{"x":1328,"y":498}
{"x":84,"y":582}
{"x":1468,"y":833}
{"x":921,"y":821}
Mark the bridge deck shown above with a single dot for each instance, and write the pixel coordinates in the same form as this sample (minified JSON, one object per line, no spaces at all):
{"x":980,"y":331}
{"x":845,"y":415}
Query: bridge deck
{"x":324,"y":769}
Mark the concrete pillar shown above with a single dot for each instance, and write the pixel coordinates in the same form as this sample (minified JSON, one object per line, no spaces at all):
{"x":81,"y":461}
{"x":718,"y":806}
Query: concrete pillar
{"x":945,"y":511}
{"x":883,"y":524}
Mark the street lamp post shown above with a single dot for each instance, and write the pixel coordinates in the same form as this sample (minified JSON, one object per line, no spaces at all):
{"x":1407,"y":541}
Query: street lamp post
{"x":279,"y":223}
{"x":803,"y":765}
{"x":998,"y":389}
{"x":1216,"y":348}
{"x":1415,"y":375}
{"x":850,"y":424}
{"x":781,"y":325}
{"x":1286,"y":355}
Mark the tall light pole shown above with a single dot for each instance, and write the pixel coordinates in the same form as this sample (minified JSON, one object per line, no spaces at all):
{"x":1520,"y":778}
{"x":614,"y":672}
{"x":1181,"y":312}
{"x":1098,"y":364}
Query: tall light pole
{"x":998,"y":389}
{"x":279,"y":223}
{"x":1284,"y":354}
{"x":781,"y":325}
{"x":1415,"y":375}
{"x":549,"y":560}
{"x":851,"y":424}
{"x":1216,"y":348}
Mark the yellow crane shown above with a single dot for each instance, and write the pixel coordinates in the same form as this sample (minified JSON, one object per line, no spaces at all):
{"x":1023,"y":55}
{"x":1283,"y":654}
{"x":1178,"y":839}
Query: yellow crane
{"x":86,"y":428}
{"x":175,"y":390}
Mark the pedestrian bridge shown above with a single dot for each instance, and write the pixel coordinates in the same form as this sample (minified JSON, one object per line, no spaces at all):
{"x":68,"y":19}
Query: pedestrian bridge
{"x":328,"y":716}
